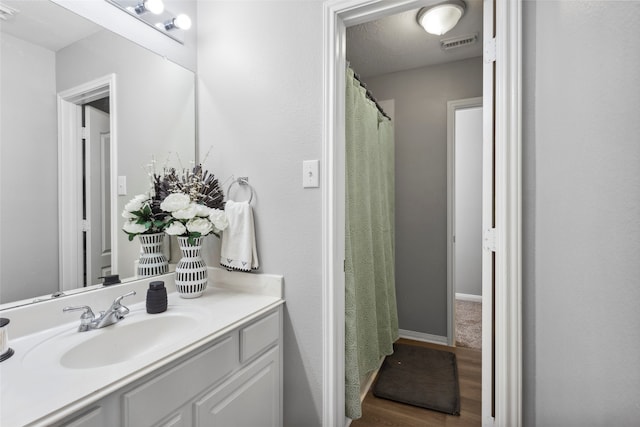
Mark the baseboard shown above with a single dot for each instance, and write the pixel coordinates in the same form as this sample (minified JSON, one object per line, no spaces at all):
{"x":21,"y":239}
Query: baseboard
{"x":421,"y":336}
{"x":469,"y":297}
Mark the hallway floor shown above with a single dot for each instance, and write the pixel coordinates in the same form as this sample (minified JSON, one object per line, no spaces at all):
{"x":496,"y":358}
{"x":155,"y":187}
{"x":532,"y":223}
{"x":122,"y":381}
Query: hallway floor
{"x":381,"y":412}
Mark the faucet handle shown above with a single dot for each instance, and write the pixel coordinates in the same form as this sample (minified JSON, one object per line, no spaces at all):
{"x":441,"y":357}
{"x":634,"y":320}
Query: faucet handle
{"x":119,"y":310}
{"x":86,"y":317}
{"x":87,"y":310}
{"x":116,"y":302}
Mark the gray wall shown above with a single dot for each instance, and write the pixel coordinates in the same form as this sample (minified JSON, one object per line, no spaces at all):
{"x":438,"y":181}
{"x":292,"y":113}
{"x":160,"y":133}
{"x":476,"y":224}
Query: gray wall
{"x":26,"y":171}
{"x":582,"y":210}
{"x":421,"y":97}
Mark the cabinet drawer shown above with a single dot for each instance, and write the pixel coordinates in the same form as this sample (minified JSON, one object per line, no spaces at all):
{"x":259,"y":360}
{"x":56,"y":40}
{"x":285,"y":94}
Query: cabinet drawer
{"x":251,"y":398}
{"x":258,"y":336}
{"x":161,"y":396}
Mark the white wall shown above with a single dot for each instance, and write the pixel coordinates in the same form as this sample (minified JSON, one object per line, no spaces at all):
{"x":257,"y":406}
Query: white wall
{"x":155,"y":112}
{"x":468,"y":201}
{"x":582,"y":213}
{"x":260,"y":109}
{"x":420,"y":125}
{"x":28,"y":230}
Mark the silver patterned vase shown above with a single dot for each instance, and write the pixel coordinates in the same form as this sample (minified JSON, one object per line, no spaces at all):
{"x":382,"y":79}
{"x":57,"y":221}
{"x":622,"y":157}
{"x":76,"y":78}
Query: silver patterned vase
{"x":191,"y":271}
{"x":152,"y":261}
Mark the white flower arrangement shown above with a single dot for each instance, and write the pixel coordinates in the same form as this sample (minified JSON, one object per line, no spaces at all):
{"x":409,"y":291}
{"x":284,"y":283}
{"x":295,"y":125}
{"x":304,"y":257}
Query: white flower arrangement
{"x":192,"y":219}
{"x":143,"y":216}
{"x":193,"y":203}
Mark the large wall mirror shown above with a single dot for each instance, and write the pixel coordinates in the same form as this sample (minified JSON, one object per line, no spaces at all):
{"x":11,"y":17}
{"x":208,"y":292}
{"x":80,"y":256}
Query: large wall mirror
{"x":135,"y":105}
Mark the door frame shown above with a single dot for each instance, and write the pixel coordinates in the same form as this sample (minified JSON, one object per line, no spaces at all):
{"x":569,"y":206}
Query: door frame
{"x":337,"y":15}
{"x":70,"y":174}
{"x":103,"y":147}
{"x":452,"y":107}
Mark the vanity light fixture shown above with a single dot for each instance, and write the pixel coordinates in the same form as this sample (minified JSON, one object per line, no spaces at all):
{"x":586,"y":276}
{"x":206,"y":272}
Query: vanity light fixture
{"x":154,"y":6}
{"x":154,"y":14}
{"x":442,"y":17}
{"x":181,"y":21}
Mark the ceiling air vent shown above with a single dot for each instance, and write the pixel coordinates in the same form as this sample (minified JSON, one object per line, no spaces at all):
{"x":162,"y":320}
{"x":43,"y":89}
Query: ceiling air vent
{"x":456,"y":42}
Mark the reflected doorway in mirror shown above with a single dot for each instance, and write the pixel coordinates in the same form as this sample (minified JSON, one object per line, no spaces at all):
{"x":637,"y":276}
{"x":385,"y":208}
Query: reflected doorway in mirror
{"x":96,"y":192}
{"x":76,"y":191}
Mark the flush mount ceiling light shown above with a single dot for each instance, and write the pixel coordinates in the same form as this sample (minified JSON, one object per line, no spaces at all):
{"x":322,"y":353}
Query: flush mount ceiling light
{"x":154,"y":6}
{"x":442,"y":17}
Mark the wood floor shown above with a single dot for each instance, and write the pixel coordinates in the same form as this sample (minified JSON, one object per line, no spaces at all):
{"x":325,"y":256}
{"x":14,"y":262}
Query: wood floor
{"x":386,"y":413}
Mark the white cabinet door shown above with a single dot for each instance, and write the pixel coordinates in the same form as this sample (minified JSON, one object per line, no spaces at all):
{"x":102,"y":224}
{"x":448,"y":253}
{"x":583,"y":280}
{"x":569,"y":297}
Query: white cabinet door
{"x":250,"y":398}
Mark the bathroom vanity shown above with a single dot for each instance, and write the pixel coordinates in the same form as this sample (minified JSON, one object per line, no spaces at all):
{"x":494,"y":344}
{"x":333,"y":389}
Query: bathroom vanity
{"x":210,"y":361}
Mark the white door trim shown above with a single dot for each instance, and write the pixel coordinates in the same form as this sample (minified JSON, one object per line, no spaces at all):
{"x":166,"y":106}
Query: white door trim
{"x":336,"y":15}
{"x":70,"y":174}
{"x":508,"y":175}
{"x":452,"y":106}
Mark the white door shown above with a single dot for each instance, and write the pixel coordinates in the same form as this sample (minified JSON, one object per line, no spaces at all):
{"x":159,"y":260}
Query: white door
{"x":97,"y":191}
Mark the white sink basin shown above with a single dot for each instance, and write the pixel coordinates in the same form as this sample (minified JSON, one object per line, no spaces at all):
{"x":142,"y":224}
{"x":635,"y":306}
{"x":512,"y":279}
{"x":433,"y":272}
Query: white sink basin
{"x":123,"y":343}
{"x":134,"y":336}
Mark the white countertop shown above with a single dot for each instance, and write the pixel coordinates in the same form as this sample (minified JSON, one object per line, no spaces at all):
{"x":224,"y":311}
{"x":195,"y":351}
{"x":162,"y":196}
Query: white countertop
{"x":37,"y":390}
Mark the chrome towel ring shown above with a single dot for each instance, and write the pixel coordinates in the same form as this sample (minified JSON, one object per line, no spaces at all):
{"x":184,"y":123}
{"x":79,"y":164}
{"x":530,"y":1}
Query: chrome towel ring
{"x":243,"y":180}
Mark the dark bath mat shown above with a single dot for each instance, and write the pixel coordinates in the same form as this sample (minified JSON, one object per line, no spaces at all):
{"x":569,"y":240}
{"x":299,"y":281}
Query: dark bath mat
{"x":420,"y":376}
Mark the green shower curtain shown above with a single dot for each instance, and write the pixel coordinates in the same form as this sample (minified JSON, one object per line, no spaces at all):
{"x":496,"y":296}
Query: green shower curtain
{"x":371,"y":319}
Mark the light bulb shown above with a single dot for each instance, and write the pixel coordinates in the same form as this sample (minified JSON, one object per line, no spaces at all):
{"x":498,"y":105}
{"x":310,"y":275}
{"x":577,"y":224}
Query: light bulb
{"x":182,"y":21}
{"x":154,"y":6}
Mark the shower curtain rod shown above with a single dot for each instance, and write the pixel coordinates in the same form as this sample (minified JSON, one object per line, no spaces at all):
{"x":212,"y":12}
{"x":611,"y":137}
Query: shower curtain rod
{"x":369,"y":94}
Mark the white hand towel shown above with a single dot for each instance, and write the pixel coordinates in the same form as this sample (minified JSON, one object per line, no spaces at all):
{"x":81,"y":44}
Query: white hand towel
{"x":238,"y":251}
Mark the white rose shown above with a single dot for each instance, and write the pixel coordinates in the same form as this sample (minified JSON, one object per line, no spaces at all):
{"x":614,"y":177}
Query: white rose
{"x":200,"y":225}
{"x":186,"y":213}
{"x":219,"y":219}
{"x":136,"y":203}
{"x":128,"y":215}
{"x":202,"y":210}
{"x":174,"y":202}
{"x":132,"y":227}
{"x":175,"y":229}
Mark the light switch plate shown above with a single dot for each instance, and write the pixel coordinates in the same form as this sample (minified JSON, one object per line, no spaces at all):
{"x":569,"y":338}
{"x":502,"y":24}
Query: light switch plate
{"x":122,"y":186}
{"x":310,"y":173}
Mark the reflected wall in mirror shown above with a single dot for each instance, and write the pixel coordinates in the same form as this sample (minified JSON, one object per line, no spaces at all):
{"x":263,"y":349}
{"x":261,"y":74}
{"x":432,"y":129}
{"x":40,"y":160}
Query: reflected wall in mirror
{"x":45,"y":51}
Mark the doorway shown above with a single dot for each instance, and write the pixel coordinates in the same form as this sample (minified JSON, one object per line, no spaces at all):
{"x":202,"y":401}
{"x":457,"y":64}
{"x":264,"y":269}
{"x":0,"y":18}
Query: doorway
{"x":502,"y":242}
{"x":421,"y":94}
{"x":79,"y":182}
{"x":96,"y":191}
{"x":464,"y":220}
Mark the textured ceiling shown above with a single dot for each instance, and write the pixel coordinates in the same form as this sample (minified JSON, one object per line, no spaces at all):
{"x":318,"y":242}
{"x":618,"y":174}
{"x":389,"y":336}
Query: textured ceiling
{"x":398,"y":42}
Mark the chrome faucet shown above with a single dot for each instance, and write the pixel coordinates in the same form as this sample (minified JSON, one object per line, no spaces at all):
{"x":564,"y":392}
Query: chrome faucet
{"x":114,"y":314}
